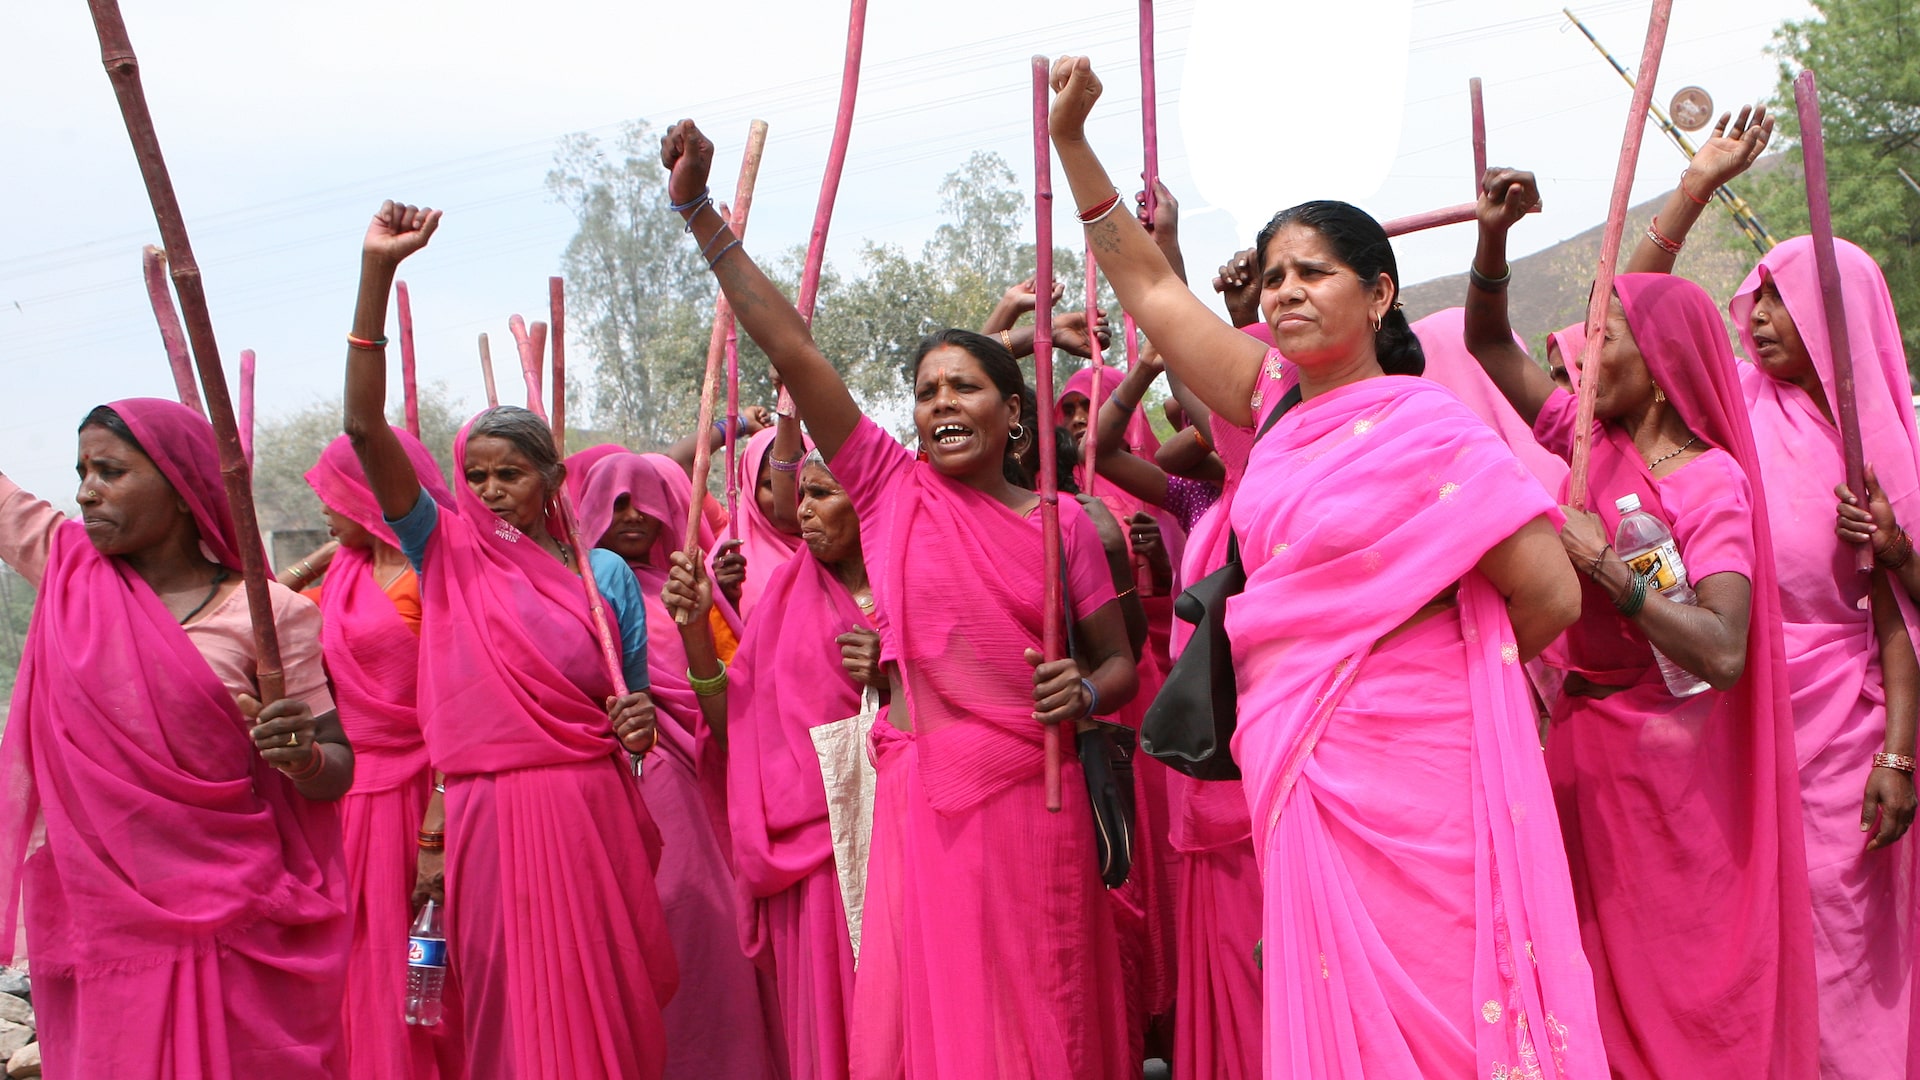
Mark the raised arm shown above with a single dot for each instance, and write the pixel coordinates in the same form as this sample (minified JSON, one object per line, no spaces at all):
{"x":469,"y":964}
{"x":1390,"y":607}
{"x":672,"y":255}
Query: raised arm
{"x":1505,"y":197}
{"x":1217,"y":362}
{"x":1727,"y":153}
{"x":397,"y":231}
{"x":1140,"y":478}
{"x":768,"y":316}
{"x":1015,"y":302}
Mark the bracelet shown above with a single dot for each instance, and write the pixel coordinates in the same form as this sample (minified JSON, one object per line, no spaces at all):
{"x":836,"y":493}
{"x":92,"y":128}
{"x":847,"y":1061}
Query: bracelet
{"x":1594,"y":563}
{"x":706,"y":195}
{"x":784,"y":466}
{"x":712,"y":687}
{"x":1130,"y":590}
{"x":1671,"y":247}
{"x":369,"y":344}
{"x":300,"y":570}
{"x":1490,"y":284}
{"x":715,"y":261}
{"x":1897,"y":553}
{"x":431,"y":841}
{"x":1629,"y":605}
{"x":1006,"y":338}
{"x":316,"y":764}
{"x":739,"y":427}
{"x":1902,"y":762}
{"x":1683,"y":188}
{"x":1126,"y":407}
{"x":1093,"y":692}
{"x":1099,"y":211}
{"x":1202,"y":440}
{"x":714,"y":239}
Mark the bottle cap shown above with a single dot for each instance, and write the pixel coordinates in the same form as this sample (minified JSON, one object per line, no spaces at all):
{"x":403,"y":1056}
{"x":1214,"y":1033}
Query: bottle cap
{"x":1627,"y":504}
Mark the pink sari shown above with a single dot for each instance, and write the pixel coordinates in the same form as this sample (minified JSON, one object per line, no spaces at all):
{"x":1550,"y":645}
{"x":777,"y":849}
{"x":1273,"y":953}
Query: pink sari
{"x":986,"y":947}
{"x":1449,"y":363}
{"x":550,"y":848}
{"x":765,"y":546}
{"x":1682,"y":817}
{"x":373,"y":658}
{"x":185,"y":908}
{"x":1862,"y":906}
{"x":685,"y":781}
{"x":787,"y":679}
{"x":1431,"y":933}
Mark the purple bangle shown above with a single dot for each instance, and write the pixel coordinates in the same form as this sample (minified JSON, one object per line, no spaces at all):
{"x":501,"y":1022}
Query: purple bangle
{"x":785,"y":466}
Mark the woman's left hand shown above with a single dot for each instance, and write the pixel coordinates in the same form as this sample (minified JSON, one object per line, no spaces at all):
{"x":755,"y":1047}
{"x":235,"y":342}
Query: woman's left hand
{"x":283,"y":731}
{"x":1113,"y":539}
{"x":634,"y":721}
{"x":1059,"y":695}
{"x":1890,"y":792}
{"x":1584,"y":537}
{"x":688,"y":594}
{"x":1143,"y":533}
{"x":730,"y":570}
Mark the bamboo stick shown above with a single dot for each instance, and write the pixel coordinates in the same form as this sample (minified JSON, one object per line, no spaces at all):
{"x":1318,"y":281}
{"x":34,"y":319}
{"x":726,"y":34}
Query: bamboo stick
{"x":123,"y":70}
{"x":529,"y":364}
{"x":1433,"y":219}
{"x":717,"y":342}
{"x":733,"y":428}
{"x":246,"y":424}
{"x":1813,"y":148}
{"x":1149,"y":115}
{"x":1602,"y":296}
{"x":172,"y":337}
{"x":486,"y":371}
{"x":409,"y":385}
{"x":1479,"y":133}
{"x":557,"y":311}
{"x":1052,"y":638}
{"x":1090,"y":443}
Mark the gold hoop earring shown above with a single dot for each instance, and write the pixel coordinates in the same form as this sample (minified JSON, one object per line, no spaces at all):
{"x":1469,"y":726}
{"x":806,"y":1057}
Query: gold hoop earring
{"x":1376,"y":324}
{"x":1659,"y":395}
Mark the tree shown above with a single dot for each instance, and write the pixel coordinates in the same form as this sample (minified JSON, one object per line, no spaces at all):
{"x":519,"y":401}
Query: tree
{"x":284,"y":449}
{"x":1866,"y":54}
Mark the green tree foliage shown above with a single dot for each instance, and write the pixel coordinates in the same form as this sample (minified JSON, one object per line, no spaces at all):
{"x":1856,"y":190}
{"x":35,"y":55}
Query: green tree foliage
{"x":285,"y":447}
{"x":16,"y":611}
{"x":1866,"y":55}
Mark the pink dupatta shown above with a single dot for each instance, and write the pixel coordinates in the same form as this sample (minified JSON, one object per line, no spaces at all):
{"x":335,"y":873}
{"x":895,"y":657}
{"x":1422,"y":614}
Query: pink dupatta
{"x":1374,"y":498}
{"x":1449,"y":363}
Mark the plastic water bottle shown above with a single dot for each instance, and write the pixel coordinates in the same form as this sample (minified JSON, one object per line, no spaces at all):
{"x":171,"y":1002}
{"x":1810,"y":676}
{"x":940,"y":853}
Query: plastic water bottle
{"x":426,"y":967}
{"x":1646,"y":544}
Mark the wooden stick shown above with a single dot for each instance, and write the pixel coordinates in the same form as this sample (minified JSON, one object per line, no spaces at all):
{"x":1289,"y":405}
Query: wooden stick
{"x":245,"y":426}
{"x":1052,"y":638}
{"x":486,"y":371}
{"x":717,"y":342}
{"x":172,"y":337}
{"x":1479,"y":133}
{"x":1090,"y":443}
{"x":1610,"y":244}
{"x":123,"y":70}
{"x":1149,"y":114}
{"x":1813,"y":149}
{"x":409,"y":385}
{"x":557,"y":311}
{"x":529,"y":364}
{"x":537,"y":345}
{"x":733,"y":428}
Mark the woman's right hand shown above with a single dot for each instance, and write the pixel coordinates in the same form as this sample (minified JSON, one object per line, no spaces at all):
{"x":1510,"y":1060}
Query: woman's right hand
{"x":687,"y":156}
{"x":1729,"y":151}
{"x":430,"y":880}
{"x":730,"y":569}
{"x":1506,"y":195}
{"x":1075,"y":89}
{"x":688,"y":593}
{"x":1069,"y":329}
{"x":1238,"y":283}
{"x":1873,"y":523}
{"x":860,"y":655}
{"x":397,"y":231}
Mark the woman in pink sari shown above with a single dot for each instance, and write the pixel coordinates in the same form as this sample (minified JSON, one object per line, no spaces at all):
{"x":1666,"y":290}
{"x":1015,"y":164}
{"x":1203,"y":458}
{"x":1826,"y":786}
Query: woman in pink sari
{"x":635,"y":506}
{"x":987,"y":948}
{"x":1400,"y":564}
{"x":180,"y":883}
{"x":555,"y":931}
{"x":1682,"y":815}
{"x":371,"y":636}
{"x":766,"y":529}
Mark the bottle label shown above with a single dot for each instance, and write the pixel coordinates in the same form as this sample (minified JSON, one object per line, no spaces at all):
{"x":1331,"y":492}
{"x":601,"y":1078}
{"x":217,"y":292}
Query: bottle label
{"x":426,"y":952}
{"x":1661,"y":566}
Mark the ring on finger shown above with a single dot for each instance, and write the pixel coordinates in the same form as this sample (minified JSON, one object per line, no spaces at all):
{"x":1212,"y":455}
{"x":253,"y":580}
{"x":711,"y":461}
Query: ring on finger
{"x":293,"y":738}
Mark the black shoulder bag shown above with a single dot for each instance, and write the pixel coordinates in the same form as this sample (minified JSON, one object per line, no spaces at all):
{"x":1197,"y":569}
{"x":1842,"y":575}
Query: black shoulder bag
{"x":1106,"y":760}
{"x":1192,"y":719}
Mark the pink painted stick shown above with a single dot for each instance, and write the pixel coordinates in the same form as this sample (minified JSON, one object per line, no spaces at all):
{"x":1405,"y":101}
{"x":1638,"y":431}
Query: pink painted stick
{"x":557,"y":311}
{"x":486,"y":371}
{"x":733,"y":427}
{"x":529,"y":364}
{"x":1052,"y":638}
{"x":1602,"y":296}
{"x":1479,"y":133}
{"x":717,"y":342}
{"x":1813,"y":149}
{"x":154,"y":264}
{"x":1090,"y":444}
{"x":409,"y":383}
{"x":246,"y":405}
{"x":537,"y":344}
{"x":1433,"y":219}
{"x":1149,"y":113}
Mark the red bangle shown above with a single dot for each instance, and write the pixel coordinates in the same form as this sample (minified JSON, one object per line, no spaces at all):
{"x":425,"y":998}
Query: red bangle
{"x":316,"y":764}
{"x":366,"y":343}
{"x":1088,"y":217}
{"x":1689,"y":194}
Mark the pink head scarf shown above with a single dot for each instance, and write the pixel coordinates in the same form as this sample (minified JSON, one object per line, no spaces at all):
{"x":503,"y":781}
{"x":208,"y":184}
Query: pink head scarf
{"x":505,"y":635}
{"x":165,"y":833}
{"x":580,"y":462}
{"x":765,"y":546}
{"x":1140,"y":437}
{"x":1569,"y":341}
{"x":1143,"y":443}
{"x":1449,"y":363}
{"x":1880,"y":382}
{"x":373,"y":657}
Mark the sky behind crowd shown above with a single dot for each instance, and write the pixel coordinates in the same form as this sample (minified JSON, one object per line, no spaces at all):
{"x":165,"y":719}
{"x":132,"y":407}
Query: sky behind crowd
{"x":285,"y":125}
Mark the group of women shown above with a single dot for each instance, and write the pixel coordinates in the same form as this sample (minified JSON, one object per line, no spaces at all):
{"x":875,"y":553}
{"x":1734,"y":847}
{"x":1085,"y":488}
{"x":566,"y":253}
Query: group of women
{"x":776,"y":806}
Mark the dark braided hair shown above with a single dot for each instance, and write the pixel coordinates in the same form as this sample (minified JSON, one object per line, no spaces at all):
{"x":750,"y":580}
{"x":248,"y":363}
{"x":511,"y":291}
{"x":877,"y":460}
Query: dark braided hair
{"x":1359,"y":241}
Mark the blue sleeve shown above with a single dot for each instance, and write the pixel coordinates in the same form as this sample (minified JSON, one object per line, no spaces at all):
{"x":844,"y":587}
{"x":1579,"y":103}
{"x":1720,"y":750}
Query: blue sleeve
{"x":621,"y":591}
{"x":414,"y":529}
